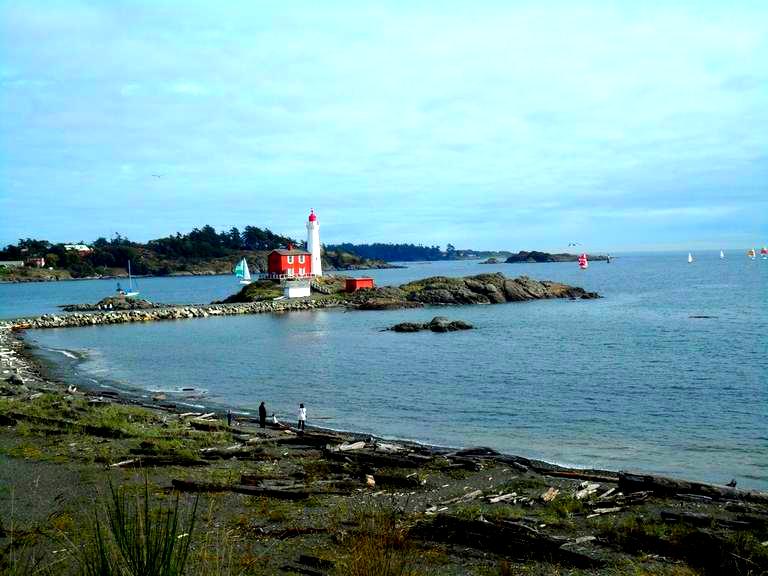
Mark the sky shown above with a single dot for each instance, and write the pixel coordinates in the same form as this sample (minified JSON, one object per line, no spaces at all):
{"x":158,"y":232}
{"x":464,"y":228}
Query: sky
{"x":490,"y":125}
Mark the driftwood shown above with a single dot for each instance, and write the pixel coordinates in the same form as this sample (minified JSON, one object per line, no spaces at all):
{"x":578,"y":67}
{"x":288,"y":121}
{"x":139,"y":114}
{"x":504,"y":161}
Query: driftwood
{"x":591,"y":476}
{"x":290,"y":493}
{"x":702,"y":519}
{"x":509,"y":538}
{"x":310,"y":566}
{"x":480,"y":454}
{"x":212,"y":426}
{"x":629,"y":482}
{"x":238,"y":451}
{"x":256,"y":479}
{"x":315,"y":439}
{"x":398,"y":481}
{"x":379,"y":460}
{"x":164,"y":460}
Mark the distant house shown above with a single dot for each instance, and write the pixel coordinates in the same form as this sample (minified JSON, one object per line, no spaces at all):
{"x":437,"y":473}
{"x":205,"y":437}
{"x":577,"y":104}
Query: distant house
{"x":289,"y":263}
{"x":81,"y":248}
{"x":355,"y":284}
{"x":36,"y":262}
{"x":11,"y":264}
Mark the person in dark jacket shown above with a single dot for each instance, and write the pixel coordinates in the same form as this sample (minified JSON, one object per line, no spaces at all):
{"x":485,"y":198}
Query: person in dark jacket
{"x":262,"y":415}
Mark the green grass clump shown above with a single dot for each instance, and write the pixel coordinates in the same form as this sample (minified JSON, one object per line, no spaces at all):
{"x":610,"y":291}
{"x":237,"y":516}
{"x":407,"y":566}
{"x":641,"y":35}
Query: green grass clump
{"x":134,"y":536}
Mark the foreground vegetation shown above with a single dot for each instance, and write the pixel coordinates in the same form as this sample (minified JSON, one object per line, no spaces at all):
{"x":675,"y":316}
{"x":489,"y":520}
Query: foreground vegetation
{"x":92,"y":485}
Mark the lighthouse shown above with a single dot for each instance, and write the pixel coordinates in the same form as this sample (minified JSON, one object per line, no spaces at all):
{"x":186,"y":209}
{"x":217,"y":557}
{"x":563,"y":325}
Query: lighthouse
{"x":313,"y":243}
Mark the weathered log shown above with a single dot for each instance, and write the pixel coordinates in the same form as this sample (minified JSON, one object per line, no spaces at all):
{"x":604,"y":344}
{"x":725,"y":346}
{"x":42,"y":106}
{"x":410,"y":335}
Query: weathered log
{"x":241,"y":452}
{"x":315,"y":439}
{"x":164,"y":460}
{"x":379,"y":460}
{"x":509,"y":538}
{"x":466,"y":463}
{"x":591,"y":476}
{"x":7,"y":420}
{"x":256,"y":479}
{"x":702,"y":519}
{"x":212,"y":426}
{"x":629,"y":482}
{"x":398,"y":481}
{"x":278,"y":493}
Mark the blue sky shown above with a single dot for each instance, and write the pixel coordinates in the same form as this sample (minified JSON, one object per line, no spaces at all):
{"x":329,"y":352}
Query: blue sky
{"x":510,"y":125}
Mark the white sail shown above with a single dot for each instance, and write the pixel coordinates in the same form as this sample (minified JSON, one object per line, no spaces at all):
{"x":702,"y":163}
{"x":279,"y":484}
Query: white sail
{"x":242,"y":272}
{"x":722,"y":255}
{"x":131,"y":292}
{"x":690,"y":258}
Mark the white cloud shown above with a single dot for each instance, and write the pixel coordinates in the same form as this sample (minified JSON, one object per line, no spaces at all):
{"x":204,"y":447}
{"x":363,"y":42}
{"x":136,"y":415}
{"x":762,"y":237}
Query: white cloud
{"x":462,"y":110}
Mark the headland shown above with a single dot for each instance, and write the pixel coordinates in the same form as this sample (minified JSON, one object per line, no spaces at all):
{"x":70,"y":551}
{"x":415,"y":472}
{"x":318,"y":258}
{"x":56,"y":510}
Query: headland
{"x":260,"y":298}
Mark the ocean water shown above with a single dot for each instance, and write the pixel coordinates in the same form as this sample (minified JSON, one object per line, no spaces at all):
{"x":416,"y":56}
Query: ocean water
{"x":631,"y":381}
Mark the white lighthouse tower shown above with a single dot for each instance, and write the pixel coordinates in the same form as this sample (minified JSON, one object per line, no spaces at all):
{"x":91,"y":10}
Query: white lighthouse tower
{"x":313,"y":243}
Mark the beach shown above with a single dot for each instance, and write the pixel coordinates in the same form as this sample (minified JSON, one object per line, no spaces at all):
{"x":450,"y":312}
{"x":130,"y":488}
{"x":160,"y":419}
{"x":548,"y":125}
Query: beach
{"x":282,"y":502}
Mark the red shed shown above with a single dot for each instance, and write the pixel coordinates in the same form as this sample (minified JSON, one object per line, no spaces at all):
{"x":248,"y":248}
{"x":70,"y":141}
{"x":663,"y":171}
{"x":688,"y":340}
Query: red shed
{"x":354,"y":284}
{"x":289,"y":263}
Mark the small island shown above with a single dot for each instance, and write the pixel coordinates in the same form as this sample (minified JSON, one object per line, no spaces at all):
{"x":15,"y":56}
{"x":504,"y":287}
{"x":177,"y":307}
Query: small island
{"x":524,"y":257}
{"x":434,"y":291}
{"x":437,"y":324}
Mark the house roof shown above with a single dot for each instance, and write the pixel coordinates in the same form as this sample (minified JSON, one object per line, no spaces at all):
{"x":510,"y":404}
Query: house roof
{"x":290,"y":252}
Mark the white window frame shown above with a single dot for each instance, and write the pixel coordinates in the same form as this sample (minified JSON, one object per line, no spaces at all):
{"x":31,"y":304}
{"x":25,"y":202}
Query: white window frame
{"x":302,"y":272}
{"x":301,"y":258}
{"x":290,"y":259}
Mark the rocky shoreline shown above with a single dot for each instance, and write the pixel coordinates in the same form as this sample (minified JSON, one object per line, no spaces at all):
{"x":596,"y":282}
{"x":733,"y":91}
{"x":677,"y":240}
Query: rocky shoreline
{"x":435,"y":291}
{"x":180,"y":312}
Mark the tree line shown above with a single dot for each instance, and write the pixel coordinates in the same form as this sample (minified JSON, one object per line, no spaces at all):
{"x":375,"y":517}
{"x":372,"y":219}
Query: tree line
{"x":150,"y":258}
{"x":394,"y":252}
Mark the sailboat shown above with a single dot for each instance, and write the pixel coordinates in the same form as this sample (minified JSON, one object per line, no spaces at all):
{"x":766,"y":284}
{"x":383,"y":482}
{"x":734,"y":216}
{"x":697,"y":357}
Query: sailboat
{"x":583,"y":262}
{"x":751,"y":253}
{"x":764,"y":253}
{"x":242,"y":272}
{"x":690,"y":258}
{"x":130,"y":293}
{"x":722,"y":255}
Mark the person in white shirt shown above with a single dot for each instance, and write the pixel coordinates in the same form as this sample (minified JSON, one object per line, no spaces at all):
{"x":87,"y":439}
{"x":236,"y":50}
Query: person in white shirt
{"x":302,"y":417}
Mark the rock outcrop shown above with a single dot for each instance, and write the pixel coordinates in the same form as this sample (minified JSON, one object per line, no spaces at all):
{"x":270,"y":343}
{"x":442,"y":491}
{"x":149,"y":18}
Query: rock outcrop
{"x":538,"y":257}
{"x":480,"y":289}
{"x":112,"y":303}
{"x":437,"y":324}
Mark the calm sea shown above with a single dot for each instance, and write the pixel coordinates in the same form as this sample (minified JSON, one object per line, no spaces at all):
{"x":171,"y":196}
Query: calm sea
{"x":632,"y":381}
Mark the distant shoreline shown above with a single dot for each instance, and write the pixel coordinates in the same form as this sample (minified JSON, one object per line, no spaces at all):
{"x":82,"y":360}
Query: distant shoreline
{"x":180,"y":274}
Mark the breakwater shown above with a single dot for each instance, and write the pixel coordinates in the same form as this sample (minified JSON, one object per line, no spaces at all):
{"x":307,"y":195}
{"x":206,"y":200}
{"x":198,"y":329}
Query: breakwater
{"x":170,"y":313}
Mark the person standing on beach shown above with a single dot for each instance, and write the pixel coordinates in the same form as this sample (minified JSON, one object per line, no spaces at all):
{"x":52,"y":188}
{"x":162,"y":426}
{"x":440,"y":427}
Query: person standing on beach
{"x":302,"y":417}
{"x":229,"y":417}
{"x":262,"y":415}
